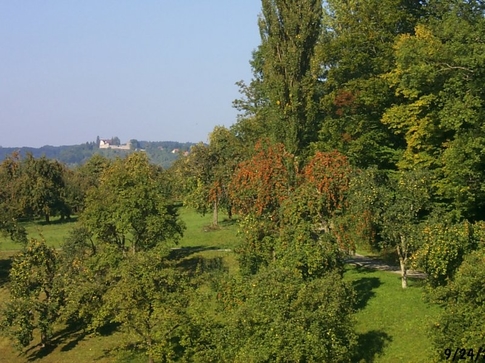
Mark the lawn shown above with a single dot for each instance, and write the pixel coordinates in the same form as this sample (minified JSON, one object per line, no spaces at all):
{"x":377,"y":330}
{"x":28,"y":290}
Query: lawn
{"x":391,"y":322}
{"x":54,"y":233}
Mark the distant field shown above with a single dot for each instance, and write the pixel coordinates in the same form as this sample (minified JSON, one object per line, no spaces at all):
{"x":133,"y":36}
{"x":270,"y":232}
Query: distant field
{"x":53,"y":233}
{"x":391,"y":322}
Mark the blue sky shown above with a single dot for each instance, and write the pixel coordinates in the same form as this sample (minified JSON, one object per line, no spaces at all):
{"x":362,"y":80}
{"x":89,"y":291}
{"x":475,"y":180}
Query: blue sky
{"x":150,"y":70}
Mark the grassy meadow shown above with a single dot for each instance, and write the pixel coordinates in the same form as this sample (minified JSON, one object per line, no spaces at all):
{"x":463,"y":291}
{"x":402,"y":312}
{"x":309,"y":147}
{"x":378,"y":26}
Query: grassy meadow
{"x":391,"y":323}
{"x":53,"y":233}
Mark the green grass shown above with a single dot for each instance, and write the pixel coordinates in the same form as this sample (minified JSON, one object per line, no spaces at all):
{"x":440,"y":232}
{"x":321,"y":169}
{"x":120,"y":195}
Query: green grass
{"x":391,"y":322}
{"x":199,"y":232}
{"x":202,"y":241}
{"x":53,"y":233}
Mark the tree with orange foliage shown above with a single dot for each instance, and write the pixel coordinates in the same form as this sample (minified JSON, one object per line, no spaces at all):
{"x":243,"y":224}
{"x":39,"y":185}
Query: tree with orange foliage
{"x":308,"y":238}
{"x":325,"y":181}
{"x":263,"y":182}
{"x":286,"y":217}
{"x":257,"y":190}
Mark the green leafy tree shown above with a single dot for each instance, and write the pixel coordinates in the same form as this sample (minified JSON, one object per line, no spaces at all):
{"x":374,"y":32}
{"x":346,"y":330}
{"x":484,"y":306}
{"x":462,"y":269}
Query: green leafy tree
{"x":149,"y":301}
{"x":83,"y":178}
{"x":205,"y":174}
{"x":438,"y":77}
{"x":278,"y":317}
{"x":354,"y":50}
{"x":307,"y":237}
{"x":444,"y":247}
{"x":115,"y":141}
{"x":42,"y":188}
{"x":85,"y":268}
{"x":10,"y":199}
{"x":129,"y":207}
{"x":289,"y":31}
{"x":403,"y":210}
{"x":358,"y":226}
{"x":134,"y":144}
{"x":90,"y":172}
{"x":34,"y":295}
{"x":195,"y":174}
{"x":463,"y":306}
{"x":226,"y":148}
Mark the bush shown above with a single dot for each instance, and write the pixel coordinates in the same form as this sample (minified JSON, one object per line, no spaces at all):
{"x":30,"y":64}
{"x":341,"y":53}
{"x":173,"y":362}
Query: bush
{"x":460,"y":324}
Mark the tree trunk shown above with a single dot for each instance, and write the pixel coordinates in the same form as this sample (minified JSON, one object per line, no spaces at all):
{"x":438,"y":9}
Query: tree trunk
{"x":47,"y":218}
{"x":43,"y":339}
{"x":402,"y":253}
{"x":215,"y":216}
{"x":149,"y":344}
{"x":229,"y":212}
{"x":404,"y":275}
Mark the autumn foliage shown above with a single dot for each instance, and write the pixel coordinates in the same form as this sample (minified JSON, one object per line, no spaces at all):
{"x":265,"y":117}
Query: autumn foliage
{"x":283,"y":208}
{"x":327,"y":177}
{"x":262,"y":183}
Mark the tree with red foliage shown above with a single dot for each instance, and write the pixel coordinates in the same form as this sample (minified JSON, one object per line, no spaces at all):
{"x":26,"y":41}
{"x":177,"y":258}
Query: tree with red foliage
{"x":283,"y":215}
{"x":263,"y":182}
{"x":325,"y":180}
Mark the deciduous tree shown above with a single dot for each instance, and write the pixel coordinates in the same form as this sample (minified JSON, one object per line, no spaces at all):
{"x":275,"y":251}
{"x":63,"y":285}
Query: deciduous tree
{"x":279,"y":317}
{"x":404,"y":208}
{"x":438,"y":76}
{"x":463,"y":306}
{"x":35,"y":297}
{"x":289,"y":31}
{"x":150,"y":302}
{"x":42,"y":187}
{"x":354,"y":50}
{"x":259,"y":187}
{"x":10,"y":199}
{"x":129,"y":207}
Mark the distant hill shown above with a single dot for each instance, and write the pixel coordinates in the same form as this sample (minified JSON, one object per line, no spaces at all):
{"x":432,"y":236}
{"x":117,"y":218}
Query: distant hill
{"x":159,"y":152}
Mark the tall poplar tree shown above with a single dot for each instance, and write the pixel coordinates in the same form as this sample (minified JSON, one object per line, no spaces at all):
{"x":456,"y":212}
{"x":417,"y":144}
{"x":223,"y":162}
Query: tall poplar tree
{"x":289,"y":32}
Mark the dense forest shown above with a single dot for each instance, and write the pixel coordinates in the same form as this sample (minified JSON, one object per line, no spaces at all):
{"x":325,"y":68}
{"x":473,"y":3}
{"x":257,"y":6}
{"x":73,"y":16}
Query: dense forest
{"x":361,"y":128}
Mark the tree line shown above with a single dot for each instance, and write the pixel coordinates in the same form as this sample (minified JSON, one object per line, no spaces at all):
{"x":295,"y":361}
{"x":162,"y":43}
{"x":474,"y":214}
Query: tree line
{"x":160,"y":152}
{"x":361,"y":128}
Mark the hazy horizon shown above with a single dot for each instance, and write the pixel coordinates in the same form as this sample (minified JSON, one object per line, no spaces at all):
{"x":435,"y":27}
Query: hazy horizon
{"x":152,"y":70}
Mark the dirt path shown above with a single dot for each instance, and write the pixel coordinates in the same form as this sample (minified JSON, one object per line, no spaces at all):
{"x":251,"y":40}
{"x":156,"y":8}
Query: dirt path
{"x":356,"y":259}
{"x":374,"y":264}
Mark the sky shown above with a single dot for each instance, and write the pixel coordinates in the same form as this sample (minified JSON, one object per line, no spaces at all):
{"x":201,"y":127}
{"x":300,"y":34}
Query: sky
{"x":153,"y":70}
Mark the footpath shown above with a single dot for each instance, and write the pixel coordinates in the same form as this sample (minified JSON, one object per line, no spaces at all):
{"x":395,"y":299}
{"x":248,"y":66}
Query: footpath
{"x":375,"y":264}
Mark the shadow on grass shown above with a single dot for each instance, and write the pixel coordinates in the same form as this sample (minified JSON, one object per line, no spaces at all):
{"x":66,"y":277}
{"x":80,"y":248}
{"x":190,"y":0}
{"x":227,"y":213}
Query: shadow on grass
{"x":416,"y":282}
{"x":62,"y":336}
{"x":54,"y":222}
{"x":198,"y":264}
{"x":363,"y":288}
{"x":129,"y":353}
{"x":228,"y":222}
{"x":69,"y":338}
{"x":183,"y":252}
{"x":5,"y":266}
{"x":370,"y":345}
{"x":222,"y":224}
